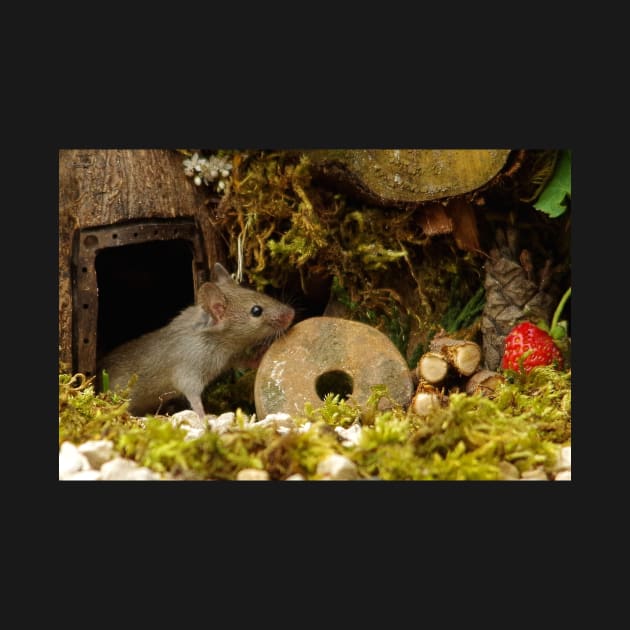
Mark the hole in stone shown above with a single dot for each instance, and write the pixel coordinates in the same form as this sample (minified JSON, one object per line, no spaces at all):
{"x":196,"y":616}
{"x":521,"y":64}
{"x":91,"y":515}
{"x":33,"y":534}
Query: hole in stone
{"x":335,"y":382}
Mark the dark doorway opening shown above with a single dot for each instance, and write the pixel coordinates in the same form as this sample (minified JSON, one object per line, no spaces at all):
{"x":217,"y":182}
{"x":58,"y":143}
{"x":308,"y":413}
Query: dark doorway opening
{"x":141,"y":287}
{"x":131,"y":278}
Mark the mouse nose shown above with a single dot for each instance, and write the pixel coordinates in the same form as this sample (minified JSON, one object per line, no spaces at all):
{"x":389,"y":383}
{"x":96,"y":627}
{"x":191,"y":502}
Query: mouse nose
{"x":287,"y":317}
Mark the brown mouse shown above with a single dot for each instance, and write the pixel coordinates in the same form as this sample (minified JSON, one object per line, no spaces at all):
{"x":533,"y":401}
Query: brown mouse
{"x":197,"y":346}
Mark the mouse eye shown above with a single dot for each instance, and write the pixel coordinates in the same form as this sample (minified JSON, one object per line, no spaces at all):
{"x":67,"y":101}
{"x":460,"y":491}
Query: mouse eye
{"x":256,"y":311}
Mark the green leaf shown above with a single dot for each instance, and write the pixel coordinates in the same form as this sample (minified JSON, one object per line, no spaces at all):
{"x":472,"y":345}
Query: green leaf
{"x":104,"y":381}
{"x":559,"y":331}
{"x":553,"y":198}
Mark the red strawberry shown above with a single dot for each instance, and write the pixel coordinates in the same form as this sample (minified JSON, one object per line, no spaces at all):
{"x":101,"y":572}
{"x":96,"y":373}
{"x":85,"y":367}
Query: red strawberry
{"x":535,"y":345}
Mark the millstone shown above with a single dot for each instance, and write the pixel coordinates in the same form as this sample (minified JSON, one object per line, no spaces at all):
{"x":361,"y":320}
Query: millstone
{"x":324,"y":355}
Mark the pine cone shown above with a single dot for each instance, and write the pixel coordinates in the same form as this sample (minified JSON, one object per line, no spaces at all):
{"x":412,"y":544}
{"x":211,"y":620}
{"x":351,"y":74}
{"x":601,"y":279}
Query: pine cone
{"x":513,"y":294}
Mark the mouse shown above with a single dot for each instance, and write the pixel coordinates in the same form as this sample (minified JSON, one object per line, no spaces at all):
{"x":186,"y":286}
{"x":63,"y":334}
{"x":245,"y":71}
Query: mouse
{"x":228,"y":326}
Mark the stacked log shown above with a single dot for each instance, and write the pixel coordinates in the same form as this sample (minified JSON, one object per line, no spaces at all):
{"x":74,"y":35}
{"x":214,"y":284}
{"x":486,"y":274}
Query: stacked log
{"x":451,"y":365}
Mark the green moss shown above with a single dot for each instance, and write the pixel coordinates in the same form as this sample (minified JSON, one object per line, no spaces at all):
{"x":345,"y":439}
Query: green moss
{"x":391,"y":320}
{"x":300,"y":452}
{"x":543,"y":398}
{"x":334,"y":411}
{"x":525,"y":424}
{"x":234,"y":389}
{"x":85,"y":415}
{"x":488,"y":434}
{"x":281,"y":223}
{"x":163,"y":448}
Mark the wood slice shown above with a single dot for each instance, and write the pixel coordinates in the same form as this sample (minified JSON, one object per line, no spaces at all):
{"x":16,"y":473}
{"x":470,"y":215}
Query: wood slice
{"x":432,"y":367}
{"x":484,"y":382}
{"x":414,"y":176}
{"x":426,"y":399}
{"x":464,"y":356}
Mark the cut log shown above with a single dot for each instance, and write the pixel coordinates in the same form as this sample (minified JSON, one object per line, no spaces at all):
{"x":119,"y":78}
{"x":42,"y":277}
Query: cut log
{"x":464,"y":356}
{"x":484,"y":382}
{"x":426,"y":399}
{"x":432,"y":367}
{"x":412,"y":176}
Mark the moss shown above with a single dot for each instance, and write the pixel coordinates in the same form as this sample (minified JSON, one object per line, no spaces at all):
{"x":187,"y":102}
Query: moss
{"x":468,"y":439}
{"x":486,"y":433}
{"x":525,"y":424}
{"x":234,"y":389}
{"x":85,"y":415}
{"x":280,"y":223}
{"x":334,"y":411}
{"x":162,"y":447}
{"x":300,"y":452}
{"x":543,"y":397}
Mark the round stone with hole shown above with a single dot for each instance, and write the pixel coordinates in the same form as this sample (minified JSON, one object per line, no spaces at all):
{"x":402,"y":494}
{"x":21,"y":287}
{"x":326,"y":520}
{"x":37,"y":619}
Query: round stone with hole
{"x":322,"y":355}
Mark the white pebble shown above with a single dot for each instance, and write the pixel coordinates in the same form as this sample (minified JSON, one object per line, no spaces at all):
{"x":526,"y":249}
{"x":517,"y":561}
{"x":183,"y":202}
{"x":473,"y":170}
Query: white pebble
{"x":222,"y":423}
{"x":564,"y":459}
{"x":563,"y":475}
{"x":295,"y":477}
{"x":252,"y":474}
{"x":120,"y":469}
{"x":509,"y":471}
{"x":303,"y":428}
{"x":71,"y":460}
{"x":280,"y":419}
{"x":188,"y":417}
{"x":192,"y":434}
{"x":351,"y":436}
{"x":97,"y":452}
{"x":282,"y":422}
{"x":538,"y":474}
{"x":337,"y":467}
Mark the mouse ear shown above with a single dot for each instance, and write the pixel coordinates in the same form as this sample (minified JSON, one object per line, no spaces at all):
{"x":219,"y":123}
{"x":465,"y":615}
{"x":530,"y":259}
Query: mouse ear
{"x":212,"y":300}
{"x":220,"y":273}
